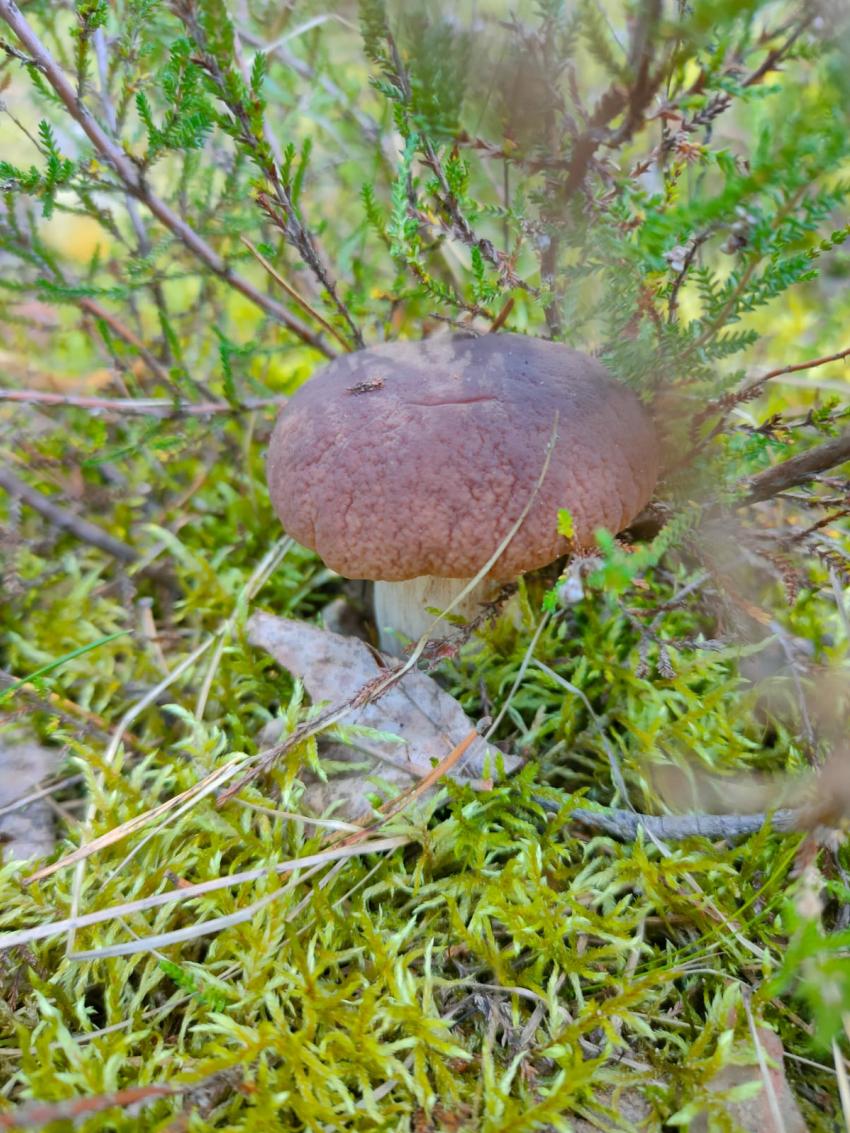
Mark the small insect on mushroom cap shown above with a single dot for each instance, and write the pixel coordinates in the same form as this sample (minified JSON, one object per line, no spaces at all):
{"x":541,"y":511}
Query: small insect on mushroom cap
{"x":416,"y":458}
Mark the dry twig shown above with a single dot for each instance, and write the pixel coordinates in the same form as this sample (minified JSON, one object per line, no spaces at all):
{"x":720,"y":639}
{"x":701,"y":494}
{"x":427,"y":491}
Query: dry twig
{"x":799,"y":469}
{"x":625,"y":824}
{"x":139,"y":406}
{"x":61,"y":517}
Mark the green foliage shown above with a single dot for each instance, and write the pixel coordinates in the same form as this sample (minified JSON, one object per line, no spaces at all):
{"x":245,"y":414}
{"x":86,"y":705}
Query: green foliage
{"x":662,"y":189}
{"x":190,"y":117}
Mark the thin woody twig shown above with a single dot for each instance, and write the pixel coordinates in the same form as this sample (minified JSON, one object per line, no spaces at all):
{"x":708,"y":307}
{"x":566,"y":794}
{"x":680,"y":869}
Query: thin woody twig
{"x":759,"y":382}
{"x":132,"y":179}
{"x":797,"y":470}
{"x":687,"y":263}
{"x":80,"y":528}
{"x":625,"y":824}
{"x":277,"y":200}
{"x":778,"y":53}
{"x":139,"y":407}
{"x":502,"y":316}
{"x":632,"y":104}
{"x":61,"y":517}
{"x":126,"y":335}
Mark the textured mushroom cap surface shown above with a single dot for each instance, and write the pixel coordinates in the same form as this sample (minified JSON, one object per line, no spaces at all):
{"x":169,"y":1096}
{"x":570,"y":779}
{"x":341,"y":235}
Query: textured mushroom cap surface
{"x":416,"y":458}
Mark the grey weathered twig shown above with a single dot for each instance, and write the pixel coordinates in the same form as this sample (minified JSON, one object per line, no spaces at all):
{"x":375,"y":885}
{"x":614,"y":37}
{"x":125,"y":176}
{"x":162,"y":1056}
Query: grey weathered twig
{"x":632,"y":103}
{"x":61,"y":517}
{"x":133,"y":181}
{"x":76,"y":525}
{"x":625,"y":824}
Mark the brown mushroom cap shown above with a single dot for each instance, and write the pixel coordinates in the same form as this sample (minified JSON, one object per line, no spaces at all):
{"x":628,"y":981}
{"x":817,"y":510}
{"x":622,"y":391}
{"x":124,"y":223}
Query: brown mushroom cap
{"x":416,"y":458}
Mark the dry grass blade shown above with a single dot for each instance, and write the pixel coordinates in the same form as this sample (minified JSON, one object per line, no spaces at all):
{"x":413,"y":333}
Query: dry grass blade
{"x":217,"y":924}
{"x":267,"y":564}
{"x":195,"y":792}
{"x":395,"y":806}
{"x":112,"y":751}
{"x":308,"y":820}
{"x":293,"y":294}
{"x":189,"y":893}
{"x":526,"y":661}
{"x":25,"y":800}
{"x":613,"y":762}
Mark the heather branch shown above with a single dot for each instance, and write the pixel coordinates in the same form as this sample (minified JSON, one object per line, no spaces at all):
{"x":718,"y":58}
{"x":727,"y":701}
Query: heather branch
{"x":126,"y":335}
{"x":139,"y":227}
{"x":616,"y":99}
{"x":720,"y":103}
{"x":262,"y":151}
{"x":731,"y":305}
{"x":673,"y":298}
{"x":798,"y":469}
{"x":368,"y":126}
{"x":457,"y":225}
{"x":464,"y":231}
{"x":776,"y":56}
{"x":135,"y":183}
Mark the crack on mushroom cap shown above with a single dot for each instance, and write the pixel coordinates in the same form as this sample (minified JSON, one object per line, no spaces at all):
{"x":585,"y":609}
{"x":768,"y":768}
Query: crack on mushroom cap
{"x":427,"y":472}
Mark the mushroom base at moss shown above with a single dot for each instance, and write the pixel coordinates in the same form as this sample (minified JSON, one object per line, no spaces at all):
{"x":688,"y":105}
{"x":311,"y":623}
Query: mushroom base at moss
{"x":401,"y":608}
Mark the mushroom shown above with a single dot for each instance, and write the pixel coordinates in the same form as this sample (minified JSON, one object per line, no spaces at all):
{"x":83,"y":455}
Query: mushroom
{"x":408,"y":463}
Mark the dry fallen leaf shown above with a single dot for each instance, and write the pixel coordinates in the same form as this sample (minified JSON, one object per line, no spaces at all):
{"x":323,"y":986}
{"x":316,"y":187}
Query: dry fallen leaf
{"x":755,"y":1114}
{"x":26,"y":832}
{"x":428,"y":722}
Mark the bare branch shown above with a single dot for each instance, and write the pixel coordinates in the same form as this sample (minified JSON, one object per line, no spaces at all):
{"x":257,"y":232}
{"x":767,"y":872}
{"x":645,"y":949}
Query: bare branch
{"x":759,"y":382}
{"x":690,"y":255}
{"x":77,"y":526}
{"x":778,"y":54}
{"x":141,"y":406}
{"x":632,"y":102}
{"x":135,"y":184}
{"x":798,"y":469}
{"x":126,"y":335}
{"x":625,"y":824}
{"x":65,"y":519}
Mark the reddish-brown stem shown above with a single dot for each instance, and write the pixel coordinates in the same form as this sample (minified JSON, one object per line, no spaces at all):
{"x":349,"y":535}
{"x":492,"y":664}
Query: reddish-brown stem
{"x":126,"y":335}
{"x":794,"y":369}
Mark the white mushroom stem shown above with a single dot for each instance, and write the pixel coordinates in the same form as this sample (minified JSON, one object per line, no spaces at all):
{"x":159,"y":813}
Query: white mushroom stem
{"x":401,"y":607}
